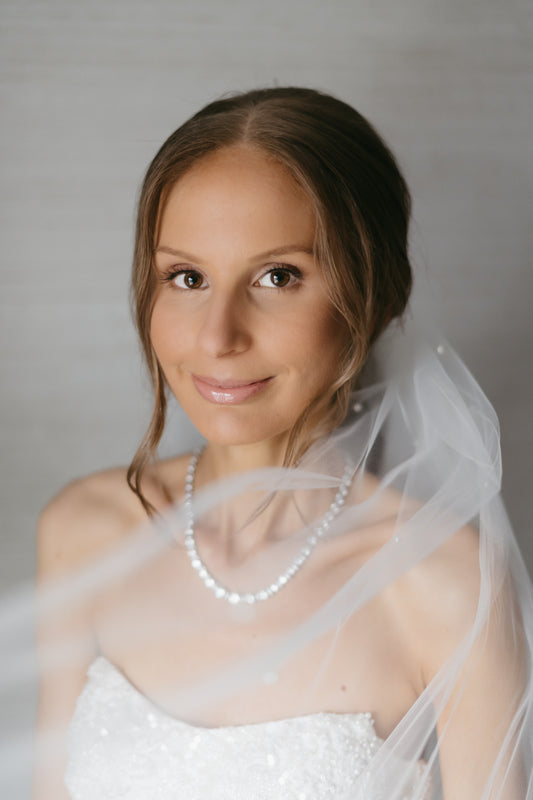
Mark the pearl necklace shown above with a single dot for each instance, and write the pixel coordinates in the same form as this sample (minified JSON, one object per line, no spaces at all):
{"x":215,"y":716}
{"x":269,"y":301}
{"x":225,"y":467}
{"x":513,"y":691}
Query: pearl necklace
{"x":221,"y":592}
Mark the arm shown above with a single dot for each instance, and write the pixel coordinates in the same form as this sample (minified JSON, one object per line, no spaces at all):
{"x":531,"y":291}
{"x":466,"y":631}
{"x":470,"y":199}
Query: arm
{"x":75,"y":530}
{"x":477,"y":720}
{"x":478,"y":716}
{"x":65,"y":644}
{"x":81,"y":525}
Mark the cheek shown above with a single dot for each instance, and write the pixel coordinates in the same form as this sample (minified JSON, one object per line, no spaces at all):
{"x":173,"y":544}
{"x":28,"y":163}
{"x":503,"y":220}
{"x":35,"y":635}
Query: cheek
{"x":157,"y":336}
{"x":328,"y":328}
{"x":165,"y":332}
{"x":319,"y":343}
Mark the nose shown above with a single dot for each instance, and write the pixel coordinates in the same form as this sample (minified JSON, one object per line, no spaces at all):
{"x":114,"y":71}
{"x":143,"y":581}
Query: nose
{"x":225,"y":328}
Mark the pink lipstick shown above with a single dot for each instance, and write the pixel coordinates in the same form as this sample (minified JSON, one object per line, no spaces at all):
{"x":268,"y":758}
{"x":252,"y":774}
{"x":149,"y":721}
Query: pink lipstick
{"x":228,"y":392}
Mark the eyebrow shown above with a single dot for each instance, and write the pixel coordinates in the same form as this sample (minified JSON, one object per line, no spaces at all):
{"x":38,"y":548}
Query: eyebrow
{"x":277,"y":251}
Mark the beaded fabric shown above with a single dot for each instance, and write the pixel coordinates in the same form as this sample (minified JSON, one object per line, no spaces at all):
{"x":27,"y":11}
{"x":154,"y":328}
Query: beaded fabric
{"x":123,"y":746}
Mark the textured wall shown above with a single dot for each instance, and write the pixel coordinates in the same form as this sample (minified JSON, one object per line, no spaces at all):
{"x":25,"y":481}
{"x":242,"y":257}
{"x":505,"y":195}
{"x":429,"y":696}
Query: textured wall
{"x":89,"y":91}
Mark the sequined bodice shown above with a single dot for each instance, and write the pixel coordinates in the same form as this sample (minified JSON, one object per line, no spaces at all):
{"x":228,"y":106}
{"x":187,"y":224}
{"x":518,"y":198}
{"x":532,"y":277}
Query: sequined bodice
{"x":122,"y":746}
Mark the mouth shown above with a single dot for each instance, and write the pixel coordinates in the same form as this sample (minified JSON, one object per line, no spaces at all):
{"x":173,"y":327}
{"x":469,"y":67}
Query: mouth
{"x":228,"y":392}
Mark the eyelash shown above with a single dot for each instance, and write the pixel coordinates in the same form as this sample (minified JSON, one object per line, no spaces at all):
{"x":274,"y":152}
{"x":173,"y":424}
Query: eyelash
{"x":169,"y":276}
{"x":287,"y":268}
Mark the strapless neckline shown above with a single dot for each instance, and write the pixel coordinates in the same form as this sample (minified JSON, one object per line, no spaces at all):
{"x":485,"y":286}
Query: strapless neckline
{"x":102,"y":667}
{"x":123,"y":746}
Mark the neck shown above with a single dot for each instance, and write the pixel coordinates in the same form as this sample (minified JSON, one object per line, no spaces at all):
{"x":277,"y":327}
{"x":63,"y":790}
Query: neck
{"x":243,"y":524}
{"x":235,"y":549}
{"x":220,"y":461}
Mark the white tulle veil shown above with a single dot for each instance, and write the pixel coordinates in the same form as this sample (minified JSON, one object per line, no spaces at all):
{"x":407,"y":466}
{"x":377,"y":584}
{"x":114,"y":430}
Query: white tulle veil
{"x":424,"y":444}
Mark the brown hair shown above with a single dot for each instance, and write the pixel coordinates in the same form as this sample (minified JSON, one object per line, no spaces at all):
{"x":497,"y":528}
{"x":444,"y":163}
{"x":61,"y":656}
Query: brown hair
{"x":362,"y":207}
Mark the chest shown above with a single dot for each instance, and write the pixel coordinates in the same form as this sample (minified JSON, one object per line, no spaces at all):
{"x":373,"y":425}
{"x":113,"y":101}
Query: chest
{"x":202,"y":660}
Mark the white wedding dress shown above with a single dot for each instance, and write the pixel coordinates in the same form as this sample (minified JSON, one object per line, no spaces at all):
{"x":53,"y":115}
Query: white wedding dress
{"x":123,"y":746}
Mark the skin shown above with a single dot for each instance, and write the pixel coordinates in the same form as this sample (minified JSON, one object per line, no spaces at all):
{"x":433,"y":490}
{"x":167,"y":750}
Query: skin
{"x":244,"y":224}
{"x":215,"y":315}
{"x":240,"y":299}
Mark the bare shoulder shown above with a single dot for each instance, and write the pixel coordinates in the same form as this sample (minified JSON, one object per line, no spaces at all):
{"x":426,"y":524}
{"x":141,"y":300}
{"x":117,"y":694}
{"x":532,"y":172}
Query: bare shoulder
{"x":446,"y":583}
{"x":84,"y":517}
{"x":94,"y":513}
{"x":438,"y":599}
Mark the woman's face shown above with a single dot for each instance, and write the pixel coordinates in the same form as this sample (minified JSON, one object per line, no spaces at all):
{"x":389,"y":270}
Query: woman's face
{"x":241,"y":322}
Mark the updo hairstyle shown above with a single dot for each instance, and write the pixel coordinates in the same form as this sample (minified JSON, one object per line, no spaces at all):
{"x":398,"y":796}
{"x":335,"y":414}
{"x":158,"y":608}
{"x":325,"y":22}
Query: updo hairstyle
{"x":362,"y":206}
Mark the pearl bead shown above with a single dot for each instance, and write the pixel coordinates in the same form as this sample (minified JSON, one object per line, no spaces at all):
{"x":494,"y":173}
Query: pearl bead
{"x":234,"y":598}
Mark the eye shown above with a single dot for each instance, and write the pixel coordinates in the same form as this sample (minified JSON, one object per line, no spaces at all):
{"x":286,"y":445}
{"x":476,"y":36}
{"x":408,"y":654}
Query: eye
{"x":187,"y":279}
{"x":279,"y":277}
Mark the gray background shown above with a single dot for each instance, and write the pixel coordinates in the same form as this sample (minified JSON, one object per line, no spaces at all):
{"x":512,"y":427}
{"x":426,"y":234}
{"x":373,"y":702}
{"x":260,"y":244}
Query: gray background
{"x":90,"y":89}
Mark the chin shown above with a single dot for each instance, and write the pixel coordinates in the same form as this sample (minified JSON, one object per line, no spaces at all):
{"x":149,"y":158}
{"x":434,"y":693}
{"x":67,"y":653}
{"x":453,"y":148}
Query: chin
{"x":231,"y":429}
{"x":237,"y":435}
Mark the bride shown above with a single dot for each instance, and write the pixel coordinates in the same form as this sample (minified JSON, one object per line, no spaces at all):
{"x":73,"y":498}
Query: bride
{"x":324,"y":600}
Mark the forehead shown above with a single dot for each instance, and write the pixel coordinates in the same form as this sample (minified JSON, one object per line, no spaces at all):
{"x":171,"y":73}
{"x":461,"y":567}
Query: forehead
{"x":238,"y":196}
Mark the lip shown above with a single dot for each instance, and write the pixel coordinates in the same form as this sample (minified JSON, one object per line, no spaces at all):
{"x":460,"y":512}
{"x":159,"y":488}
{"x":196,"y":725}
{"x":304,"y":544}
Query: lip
{"x":228,"y":392}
